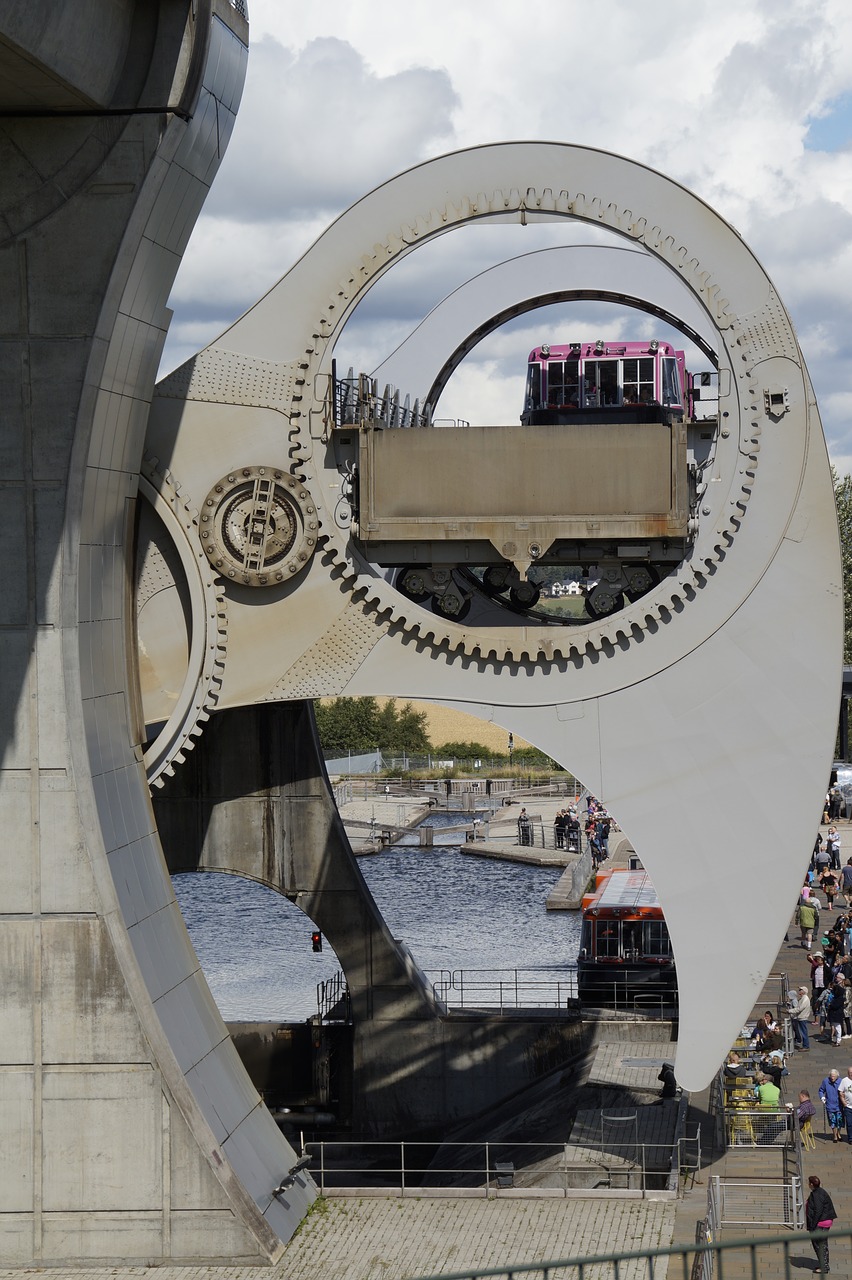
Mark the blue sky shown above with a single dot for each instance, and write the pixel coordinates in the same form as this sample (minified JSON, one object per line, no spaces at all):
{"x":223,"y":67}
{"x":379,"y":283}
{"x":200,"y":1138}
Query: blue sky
{"x":832,"y":131}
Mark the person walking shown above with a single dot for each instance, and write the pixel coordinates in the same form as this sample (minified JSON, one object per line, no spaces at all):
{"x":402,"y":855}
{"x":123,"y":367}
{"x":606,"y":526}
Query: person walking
{"x":820,"y":1215}
{"x":828,"y":884}
{"x":806,"y":918}
{"x":846,"y":882}
{"x":830,"y":1099}
{"x":832,"y":847}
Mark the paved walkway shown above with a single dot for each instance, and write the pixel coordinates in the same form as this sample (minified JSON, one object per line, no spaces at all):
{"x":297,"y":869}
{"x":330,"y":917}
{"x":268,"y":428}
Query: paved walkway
{"x":398,"y":1239}
{"x":402,"y":1238}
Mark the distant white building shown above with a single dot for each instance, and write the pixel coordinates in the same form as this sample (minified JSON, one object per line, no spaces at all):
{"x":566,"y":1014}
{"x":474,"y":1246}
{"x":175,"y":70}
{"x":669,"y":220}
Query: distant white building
{"x":570,"y":588}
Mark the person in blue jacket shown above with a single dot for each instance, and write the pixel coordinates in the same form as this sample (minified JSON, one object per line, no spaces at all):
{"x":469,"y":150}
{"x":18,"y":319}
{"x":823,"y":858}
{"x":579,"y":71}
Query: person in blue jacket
{"x":830,"y":1099}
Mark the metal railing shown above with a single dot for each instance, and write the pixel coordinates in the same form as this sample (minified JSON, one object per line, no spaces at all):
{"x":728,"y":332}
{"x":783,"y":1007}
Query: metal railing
{"x":504,"y":989}
{"x":507,"y":989}
{"x":652,"y":999}
{"x":780,"y":1257}
{"x":763,"y":1204}
{"x":357,"y":400}
{"x":333,"y":998}
{"x":759,"y":1126}
{"x":488,"y":1169}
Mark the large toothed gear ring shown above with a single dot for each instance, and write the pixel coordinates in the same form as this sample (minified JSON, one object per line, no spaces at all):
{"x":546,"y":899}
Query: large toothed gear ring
{"x":206,"y":638}
{"x":259,"y":526}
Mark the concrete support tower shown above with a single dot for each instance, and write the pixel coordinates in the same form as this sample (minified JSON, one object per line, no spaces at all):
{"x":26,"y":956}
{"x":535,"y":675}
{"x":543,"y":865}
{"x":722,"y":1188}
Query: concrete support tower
{"x":128,"y":1130}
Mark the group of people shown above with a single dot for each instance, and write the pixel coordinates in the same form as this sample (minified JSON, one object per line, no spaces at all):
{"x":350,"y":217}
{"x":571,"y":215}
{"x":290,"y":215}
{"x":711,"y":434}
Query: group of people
{"x":830,"y":1001}
{"x":566,"y":830}
{"x":826,"y":853}
{"x":828,"y":1005}
{"x":596,"y":826}
{"x":809,"y":906}
{"x":834,"y":804}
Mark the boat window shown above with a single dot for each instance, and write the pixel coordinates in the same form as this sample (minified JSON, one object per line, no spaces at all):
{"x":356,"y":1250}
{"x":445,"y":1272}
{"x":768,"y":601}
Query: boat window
{"x":671,"y":389}
{"x":562,"y":381}
{"x":534,"y":386}
{"x":600,"y":379}
{"x":656,"y":938}
{"x":631,"y":932}
{"x":638,"y":380}
{"x":586,"y":939}
{"x":608,"y":940}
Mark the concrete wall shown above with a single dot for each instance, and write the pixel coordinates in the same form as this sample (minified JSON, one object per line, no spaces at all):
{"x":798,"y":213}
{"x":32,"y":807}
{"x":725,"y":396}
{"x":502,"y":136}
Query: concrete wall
{"x":128,"y":1130}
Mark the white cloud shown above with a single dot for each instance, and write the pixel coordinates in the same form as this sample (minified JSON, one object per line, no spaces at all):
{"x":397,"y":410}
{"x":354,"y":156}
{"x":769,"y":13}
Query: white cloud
{"x":720,"y":96}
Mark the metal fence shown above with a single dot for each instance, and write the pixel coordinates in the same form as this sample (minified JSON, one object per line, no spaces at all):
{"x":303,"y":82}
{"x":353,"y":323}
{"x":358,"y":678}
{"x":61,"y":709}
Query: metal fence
{"x":333,"y":999}
{"x":357,"y":399}
{"x":759,"y":1126}
{"x":764,"y":1204}
{"x":772,"y":1257}
{"x":547,"y":988}
{"x":504,"y":989}
{"x":491,"y":1169}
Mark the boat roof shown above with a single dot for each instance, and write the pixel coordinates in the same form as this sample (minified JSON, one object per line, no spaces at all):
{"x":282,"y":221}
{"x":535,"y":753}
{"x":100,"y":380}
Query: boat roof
{"x":626,"y":889}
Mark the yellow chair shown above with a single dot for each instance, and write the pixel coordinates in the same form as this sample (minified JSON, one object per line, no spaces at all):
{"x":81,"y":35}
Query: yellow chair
{"x":808,"y":1139}
{"x":741,"y":1125}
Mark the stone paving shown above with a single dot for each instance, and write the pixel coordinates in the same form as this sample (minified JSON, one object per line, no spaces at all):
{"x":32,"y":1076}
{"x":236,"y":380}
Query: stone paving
{"x":402,"y":1238}
{"x":631,"y":1064}
{"x":393,"y":1239}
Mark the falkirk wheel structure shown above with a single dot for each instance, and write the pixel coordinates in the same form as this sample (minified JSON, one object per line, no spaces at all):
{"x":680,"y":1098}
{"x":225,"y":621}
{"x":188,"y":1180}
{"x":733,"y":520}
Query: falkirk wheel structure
{"x":204,"y":557}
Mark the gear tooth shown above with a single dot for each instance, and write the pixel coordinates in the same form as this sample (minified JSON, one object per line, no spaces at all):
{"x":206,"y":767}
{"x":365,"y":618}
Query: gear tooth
{"x":210,"y":677}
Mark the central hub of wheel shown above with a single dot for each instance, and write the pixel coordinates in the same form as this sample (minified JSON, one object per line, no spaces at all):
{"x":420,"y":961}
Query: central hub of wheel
{"x":259,"y":526}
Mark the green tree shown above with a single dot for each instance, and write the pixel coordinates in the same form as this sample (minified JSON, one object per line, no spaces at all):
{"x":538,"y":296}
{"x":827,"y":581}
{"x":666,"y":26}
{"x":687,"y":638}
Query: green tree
{"x":347,"y":724}
{"x":466,"y":751}
{"x":358,"y":725}
{"x":410,"y":734}
{"x":843,"y":499}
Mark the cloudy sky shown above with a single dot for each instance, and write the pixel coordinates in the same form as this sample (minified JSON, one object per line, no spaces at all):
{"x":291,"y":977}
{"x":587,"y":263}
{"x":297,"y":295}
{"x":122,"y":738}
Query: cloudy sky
{"x":746,"y":102}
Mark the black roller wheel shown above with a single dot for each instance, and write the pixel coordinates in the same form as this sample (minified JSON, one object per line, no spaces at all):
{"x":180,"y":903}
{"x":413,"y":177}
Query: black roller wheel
{"x":524,"y":597}
{"x":411,"y":582}
{"x":614,"y":603}
{"x":453,"y":604}
{"x":495,"y":580}
{"x":651,"y":579}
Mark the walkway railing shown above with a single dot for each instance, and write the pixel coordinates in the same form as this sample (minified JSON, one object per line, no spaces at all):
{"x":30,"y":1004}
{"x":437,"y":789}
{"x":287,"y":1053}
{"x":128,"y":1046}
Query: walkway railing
{"x":781,"y":1257}
{"x":764,"y":1204}
{"x":333,"y":1000}
{"x":547,"y":988}
{"x":504,"y":989}
{"x":489,"y":1169}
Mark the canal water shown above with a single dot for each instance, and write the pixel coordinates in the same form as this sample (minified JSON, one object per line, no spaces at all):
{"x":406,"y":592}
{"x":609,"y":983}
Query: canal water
{"x":453,"y":911}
